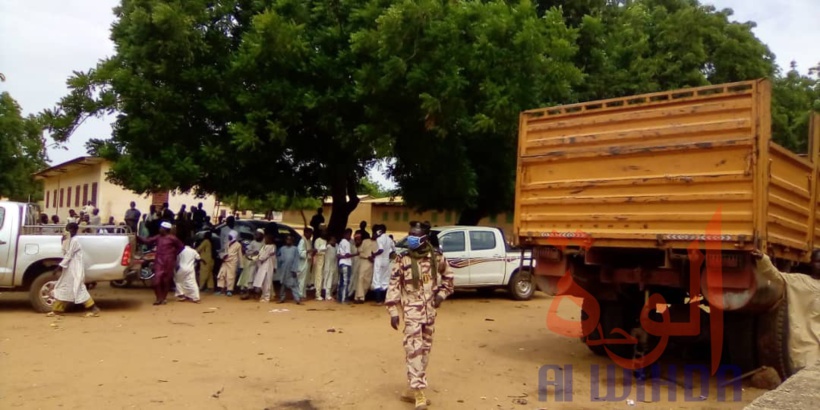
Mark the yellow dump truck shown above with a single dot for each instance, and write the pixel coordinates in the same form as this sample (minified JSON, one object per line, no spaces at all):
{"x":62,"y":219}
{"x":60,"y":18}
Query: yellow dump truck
{"x":617,"y":194}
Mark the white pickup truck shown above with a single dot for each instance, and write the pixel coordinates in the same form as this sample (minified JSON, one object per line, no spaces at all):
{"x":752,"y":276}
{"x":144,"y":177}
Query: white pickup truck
{"x":29,"y":254}
{"x":481,"y":259}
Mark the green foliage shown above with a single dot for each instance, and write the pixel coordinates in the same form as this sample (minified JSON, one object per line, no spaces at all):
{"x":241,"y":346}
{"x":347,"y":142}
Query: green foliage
{"x":373,"y":188}
{"x":281,"y":100}
{"x":22,"y":152}
{"x":273,"y":202}
{"x":447,"y":81}
{"x":653,"y":45}
{"x":794,"y":98}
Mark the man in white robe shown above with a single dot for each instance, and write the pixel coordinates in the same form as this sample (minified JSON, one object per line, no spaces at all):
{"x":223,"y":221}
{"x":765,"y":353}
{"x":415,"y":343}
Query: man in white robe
{"x":305,"y":248}
{"x":320,"y":246}
{"x":266,"y":266}
{"x":185,"y":276}
{"x":249,"y":265}
{"x":70,"y":288}
{"x":381,"y":263}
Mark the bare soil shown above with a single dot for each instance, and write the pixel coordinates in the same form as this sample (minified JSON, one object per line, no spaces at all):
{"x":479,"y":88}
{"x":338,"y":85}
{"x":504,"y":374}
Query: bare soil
{"x":232,"y":354}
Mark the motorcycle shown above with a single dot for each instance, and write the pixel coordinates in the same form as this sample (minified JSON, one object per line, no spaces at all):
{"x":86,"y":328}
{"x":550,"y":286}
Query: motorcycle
{"x":141,"y":268}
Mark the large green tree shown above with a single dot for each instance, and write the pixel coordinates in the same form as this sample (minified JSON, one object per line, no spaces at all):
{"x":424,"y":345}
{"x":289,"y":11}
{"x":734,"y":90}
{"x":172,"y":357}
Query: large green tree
{"x":795,"y":97}
{"x":22,"y":151}
{"x":297,"y":98}
{"x":300,"y":97}
{"x":453,"y":77}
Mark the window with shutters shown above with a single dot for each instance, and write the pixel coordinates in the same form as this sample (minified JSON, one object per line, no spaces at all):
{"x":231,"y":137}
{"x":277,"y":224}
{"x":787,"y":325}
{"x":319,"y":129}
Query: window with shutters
{"x":62,"y":193}
{"x":77,"y":196}
{"x":54,"y":199}
{"x":94,"y":194}
{"x":68,"y":196}
{"x":85,"y":194}
{"x":48,"y":197}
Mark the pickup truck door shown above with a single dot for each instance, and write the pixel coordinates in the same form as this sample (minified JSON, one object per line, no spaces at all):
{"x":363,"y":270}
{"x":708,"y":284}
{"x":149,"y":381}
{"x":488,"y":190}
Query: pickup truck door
{"x":6,"y":243}
{"x":487,"y":257}
{"x":454,"y":246}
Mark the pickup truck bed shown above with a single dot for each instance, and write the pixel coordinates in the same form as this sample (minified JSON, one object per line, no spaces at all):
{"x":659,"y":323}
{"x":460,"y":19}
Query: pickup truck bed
{"x":653,"y":170}
{"x":29,"y":253}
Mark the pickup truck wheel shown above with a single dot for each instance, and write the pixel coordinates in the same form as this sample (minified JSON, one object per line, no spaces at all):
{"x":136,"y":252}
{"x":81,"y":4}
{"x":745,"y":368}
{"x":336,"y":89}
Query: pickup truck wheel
{"x":521,"y":285}
{"x":41,"y":293}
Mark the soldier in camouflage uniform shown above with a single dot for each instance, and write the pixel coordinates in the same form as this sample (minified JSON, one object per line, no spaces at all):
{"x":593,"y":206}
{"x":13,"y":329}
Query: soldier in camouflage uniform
{"x":420,"y":281}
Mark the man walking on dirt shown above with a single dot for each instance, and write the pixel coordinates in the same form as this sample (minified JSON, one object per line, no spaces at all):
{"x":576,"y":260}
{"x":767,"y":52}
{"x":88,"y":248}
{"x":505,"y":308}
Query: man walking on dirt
{"x":165,"y":261}
{"x":419,"y":283}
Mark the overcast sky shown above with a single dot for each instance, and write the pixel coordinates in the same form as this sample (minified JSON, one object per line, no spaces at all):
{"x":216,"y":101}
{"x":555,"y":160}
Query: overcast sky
{"x":43,"y":41}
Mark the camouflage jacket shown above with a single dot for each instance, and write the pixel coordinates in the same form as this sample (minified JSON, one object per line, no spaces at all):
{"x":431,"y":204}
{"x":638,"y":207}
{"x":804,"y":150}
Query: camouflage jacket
{"x":417,"y":303}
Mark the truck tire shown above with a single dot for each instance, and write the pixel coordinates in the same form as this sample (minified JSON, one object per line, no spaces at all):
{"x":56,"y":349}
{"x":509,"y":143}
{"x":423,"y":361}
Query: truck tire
{"x":598,"y":350}
{"x":40,"y":294}
{"x":773,"y":340}
{"x":739,"y":341}
{"x":614,"y":315}
{"x":521,"y":285}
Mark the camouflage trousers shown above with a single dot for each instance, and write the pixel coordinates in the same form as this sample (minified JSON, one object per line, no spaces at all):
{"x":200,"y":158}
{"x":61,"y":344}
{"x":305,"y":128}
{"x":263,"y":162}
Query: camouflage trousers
{"x":418,"y":339}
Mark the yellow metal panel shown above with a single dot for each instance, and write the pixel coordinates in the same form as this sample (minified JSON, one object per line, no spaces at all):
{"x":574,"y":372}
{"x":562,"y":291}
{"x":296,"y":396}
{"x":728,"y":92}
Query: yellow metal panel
{"x":814,"y":153}
{"x":640,"y":171}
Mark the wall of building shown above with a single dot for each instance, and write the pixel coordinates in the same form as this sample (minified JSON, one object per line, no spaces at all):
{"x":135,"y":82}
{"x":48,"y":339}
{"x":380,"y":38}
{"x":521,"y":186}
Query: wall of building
{"x":111,"y":199}
{"x":397,"y":218}
{"x":86,"y":178}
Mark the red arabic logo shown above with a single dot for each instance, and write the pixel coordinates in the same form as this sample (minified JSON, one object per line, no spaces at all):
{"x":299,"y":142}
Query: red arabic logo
{"x":568,"y":289}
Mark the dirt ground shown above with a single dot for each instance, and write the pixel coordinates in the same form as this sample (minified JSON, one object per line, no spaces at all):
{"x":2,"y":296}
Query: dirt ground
{"x":232,"y":354}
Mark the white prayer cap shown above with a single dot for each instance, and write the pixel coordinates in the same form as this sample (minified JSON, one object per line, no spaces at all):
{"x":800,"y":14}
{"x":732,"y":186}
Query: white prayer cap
{"x":166,"y":225}
{"x":260,"y":230}
{"x":232,"y":235}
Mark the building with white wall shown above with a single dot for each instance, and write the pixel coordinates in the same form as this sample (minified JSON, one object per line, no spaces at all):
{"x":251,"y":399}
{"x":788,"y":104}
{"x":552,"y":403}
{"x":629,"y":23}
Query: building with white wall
{"x":72,"y":184}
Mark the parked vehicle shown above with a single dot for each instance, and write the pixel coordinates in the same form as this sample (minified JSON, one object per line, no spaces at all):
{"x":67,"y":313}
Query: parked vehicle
{"x":30,"y":253}
{"x":140,"y":269}
{"x":481,"y":259}
{"x":616,"y":191}
{"x":246,"y":228}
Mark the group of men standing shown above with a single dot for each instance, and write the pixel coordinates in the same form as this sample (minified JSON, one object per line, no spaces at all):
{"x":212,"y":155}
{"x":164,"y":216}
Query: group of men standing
{"x":334,"y":270}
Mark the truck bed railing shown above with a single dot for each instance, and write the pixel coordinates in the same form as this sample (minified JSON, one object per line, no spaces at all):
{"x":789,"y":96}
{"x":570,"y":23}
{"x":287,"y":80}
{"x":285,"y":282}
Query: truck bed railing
{"x":59,"y":229}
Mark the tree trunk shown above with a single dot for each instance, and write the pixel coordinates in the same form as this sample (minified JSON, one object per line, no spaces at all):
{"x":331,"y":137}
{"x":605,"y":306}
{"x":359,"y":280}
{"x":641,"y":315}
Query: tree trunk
{"x":471,"y":217}
{"x":345,"y":200}
{"x":304,"y":218}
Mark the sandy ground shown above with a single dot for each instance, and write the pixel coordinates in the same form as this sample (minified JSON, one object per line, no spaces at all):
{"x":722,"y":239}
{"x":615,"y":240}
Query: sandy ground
{"x":232,"y":354}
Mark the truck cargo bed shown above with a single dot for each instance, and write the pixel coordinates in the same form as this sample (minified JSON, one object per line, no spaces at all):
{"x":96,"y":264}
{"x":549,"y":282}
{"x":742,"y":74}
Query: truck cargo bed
{"x":653,"y":171}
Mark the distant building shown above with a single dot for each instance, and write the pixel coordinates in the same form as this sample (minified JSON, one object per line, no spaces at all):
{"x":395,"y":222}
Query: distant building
{"x":392,"y":212}
{"x":72,"y":184}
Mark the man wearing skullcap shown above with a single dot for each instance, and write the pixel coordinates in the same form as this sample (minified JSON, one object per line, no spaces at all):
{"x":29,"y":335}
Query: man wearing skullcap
{"x":226,"y":279}
{"x":168,"y":248}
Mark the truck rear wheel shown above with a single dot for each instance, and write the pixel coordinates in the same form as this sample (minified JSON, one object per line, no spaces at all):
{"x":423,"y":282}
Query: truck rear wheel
{"x":521,"y":285}
{"x":613,"y":315}
{"x":41,"y":293}
{"x":773,"y":340}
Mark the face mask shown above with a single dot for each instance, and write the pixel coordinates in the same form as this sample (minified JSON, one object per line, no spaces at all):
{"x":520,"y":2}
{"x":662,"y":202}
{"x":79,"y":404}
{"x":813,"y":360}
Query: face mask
{"x":413,"y":242}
